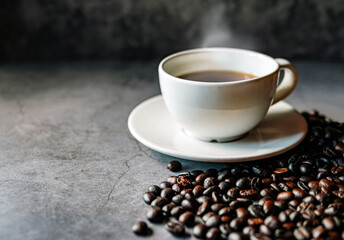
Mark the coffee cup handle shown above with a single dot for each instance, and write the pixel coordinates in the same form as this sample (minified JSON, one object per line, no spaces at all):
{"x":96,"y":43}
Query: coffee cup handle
{"x":289,"y":81}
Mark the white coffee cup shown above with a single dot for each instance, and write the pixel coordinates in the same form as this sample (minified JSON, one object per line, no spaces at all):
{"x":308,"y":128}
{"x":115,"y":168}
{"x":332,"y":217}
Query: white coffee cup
{"x":223,"y":111}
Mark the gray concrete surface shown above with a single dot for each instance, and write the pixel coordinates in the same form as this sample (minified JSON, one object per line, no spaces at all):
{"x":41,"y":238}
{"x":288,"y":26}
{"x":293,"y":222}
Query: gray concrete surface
{"x":69,"y":168}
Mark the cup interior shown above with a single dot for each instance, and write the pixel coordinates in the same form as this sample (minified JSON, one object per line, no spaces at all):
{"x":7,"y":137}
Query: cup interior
{"x":225,"y":59}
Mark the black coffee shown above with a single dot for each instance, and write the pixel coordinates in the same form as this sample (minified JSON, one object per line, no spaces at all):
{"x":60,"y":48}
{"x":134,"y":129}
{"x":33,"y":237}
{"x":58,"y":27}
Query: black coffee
{"x":216,"y":76}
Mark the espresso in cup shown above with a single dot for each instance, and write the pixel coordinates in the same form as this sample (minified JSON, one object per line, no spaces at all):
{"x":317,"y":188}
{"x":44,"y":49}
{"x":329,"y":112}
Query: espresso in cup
{"x":216,"y":76}
{"x":219,"y":94}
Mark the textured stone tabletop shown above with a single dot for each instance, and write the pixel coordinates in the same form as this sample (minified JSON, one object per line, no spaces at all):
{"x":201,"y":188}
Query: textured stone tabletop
{"x":69,"y":168}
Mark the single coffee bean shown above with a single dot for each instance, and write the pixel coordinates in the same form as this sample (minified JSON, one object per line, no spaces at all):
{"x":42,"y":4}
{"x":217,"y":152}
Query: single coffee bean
{"x":299,"y":193}
{"x":175,"y":228}
{"x":198,"y":190}
{"x":203,"y":208}
{"x":225,"y":219}
{"x":225,"y":228}
{"x":318,"y":231}
{"x":201,"y":177}
{"x":213,"y":233}
{"x":174,"y":166}
{"x":272,"y":222}
{"x":177,"y":199}
{"x":249,"y":230}
{"x":256,"y":211}
{"x":140,"y":228}
{"x":172,"y":180}
{"x":209,"y":182}
{"x":213,"y":221}
{"x":185,"y":191}
{"x":167,"y":193}
{"x":154,"y":189}
{"x":236,"y":236}
{"x":250,"y":193}
{"x":215,"y":196}
{"x":301,"y":233}
{"x":233,"y":192}
{"x":148,"y":197}
{"x":313,"y":184}
{"x":227,"y":211}
{"x":265,"y":192}
{"x":294,"y":203}
{"x":184,"y":181}
{"x":210,"y":190}
{"x":242,"y":183}
{"x":236,"y":223}
{"x":177,"y":211}
{"x":155,"y":214}
{"x":326,"y":183}
{"x":208,"y":215}
{"x":265,"y":230}
{"x":187,"y":218}
{"x":200,"y":230}
{"x":281,"y":171}
{"x":195,"y":173}
{"x":160,"y":202}
{"x":241,"y":213}
{"x":187,"y":204}
{"x":176,"y":187}
{"x":254,"y":221}
{"x":268,"y":206}
{"x":224,"y":186}
{"x":203,"y":199}
{"x":328,"y":223}
{"x":217,"y":207}
{"x":164,"y":185}
{"x":284,"y":196}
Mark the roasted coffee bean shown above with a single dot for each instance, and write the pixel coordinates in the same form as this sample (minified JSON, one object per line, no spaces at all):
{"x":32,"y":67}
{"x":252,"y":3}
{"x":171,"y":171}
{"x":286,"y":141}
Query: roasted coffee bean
{"x":264,"y":199}
{"x":154,"y":189}
{"x":243,"y":183}
{"x":215,"y":196}
{"x":154,"y":214}
{"x":172,"y":180}
{"x":233,"y":192}
{"x":294,"y":203}
{"x":254,"y":221}
{"x":200,"y":230}
{"x":213,"y":221}
{"x":164,"y":185}
{"x":256,"y":211}
{"x":208,"y":215}
{"x":326,"y":183}
{"x":212,"y":172}
{"x":177,"y":199}
{"x":159,"y":202}
{"x":272,"y":222}
{"x":185,"y":191}
{"x":140,"y":228}
{"x":249,"y":230}
{"x":175,"y":228}
{"x":209,"y":182}
{"x":328,"y":223}
{"x":301,"y":233}
{"x":224,"y":186}
{"x":265,"y":230}
{"x":236,"y":236}
{"x":167,"y":208}
{"x":265,"y":192}
{"x":227,"y":211}
{"x":318,"y":231}
{"x":187,"y":204}
{"x":148,"y":197}
{"x":313,"y":184}
{"x":236,"y":223}
{"x":299,"y":193}
{"x":225,"y":219}
{"x":203,"y":199}
{"x":216,"y":207}
{"x":200,"y":178}
{"x":209,"y":191}
{"x":198,"y":190}
{"x":184,"y":181}
{"x":241,"y":213}
{"x":187,"y":218}
{"x":195,"y":173}
{"x":225,"y":229}
{"x":203,"y":208}
{"x":268,"y":206}
{"x":213,"y":233}
{"x":250,"y":193}
{"x":280,"y":204}
{"x":176,"y":187}
{"x":167,"y":193}
{"x":174,"y":166}
{"x":284,"y":196}
{"x":177,"y":211}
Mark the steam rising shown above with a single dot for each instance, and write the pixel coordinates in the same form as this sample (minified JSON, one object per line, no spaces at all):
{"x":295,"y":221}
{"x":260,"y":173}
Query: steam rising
{"x":217,"y":32}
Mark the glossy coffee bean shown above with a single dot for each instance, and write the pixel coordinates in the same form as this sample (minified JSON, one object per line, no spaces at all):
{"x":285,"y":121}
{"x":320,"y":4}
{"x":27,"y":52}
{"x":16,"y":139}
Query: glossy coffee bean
{"x":213,"y":233}
{"x":187,"y":218}
{"x":200,"y":230}
{"x":140,"y":228}
{"x":174,"y":166}
{"x":154,"y":189}
{"x":148,"y":197}
{"x":175,"y":228}
{"x":155,"y":214}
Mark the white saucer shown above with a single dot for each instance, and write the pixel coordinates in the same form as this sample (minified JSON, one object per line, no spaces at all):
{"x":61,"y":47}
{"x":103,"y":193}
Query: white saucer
{"x":282,"y":129}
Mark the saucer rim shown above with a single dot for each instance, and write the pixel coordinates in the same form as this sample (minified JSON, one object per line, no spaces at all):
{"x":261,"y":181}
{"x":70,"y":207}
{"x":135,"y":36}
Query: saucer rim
{"x":214,"y":159}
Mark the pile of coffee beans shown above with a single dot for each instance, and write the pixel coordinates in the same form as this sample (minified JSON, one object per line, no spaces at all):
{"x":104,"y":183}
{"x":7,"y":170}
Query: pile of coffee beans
{"x":297,"y":195}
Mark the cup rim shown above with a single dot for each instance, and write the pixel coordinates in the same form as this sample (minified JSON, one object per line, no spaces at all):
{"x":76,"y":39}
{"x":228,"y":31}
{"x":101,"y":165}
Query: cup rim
{"x":217,"y":49}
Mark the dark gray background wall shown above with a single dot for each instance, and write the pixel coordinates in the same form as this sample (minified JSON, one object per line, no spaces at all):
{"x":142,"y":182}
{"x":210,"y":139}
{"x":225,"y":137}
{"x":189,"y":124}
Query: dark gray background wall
{"x":41,"y":30}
